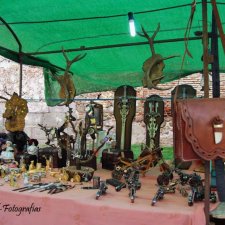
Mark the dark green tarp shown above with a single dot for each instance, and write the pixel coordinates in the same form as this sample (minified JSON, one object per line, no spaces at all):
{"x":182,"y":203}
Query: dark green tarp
{"x":100,"y":29}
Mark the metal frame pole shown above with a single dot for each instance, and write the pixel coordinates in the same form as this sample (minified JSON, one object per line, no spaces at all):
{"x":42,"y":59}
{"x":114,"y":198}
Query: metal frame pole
{"x":206,"y":95}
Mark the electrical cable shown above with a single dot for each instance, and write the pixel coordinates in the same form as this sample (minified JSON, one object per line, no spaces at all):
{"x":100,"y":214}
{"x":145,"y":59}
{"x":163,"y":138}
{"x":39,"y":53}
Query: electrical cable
{"x":105,"y":17}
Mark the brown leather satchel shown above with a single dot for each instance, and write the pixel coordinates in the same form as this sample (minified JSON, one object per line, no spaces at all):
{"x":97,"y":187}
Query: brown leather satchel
{"x":199,"y":126}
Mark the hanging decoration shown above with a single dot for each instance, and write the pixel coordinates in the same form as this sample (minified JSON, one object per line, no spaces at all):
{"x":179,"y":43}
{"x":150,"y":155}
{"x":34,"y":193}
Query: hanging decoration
{"x":67,"y":88}
{"x":153,"y":66}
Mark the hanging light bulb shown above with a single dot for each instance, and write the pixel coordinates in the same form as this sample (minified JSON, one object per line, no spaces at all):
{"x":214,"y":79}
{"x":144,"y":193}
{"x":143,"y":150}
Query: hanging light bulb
{"x":131,"y":24}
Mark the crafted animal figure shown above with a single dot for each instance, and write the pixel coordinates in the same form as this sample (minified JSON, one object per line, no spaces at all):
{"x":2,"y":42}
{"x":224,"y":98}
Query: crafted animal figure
{"x":67,"y":88}
{"x":153,"y":66}
{"x":15,"y":113}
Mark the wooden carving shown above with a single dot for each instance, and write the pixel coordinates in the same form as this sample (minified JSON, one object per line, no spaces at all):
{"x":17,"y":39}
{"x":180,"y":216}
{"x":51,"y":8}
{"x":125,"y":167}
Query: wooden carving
{"x":153,"y":66}
{"x":15,"y":112}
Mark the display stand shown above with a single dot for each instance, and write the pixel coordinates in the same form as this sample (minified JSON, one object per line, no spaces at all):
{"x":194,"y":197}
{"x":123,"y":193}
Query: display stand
{"x":153,"y":118}
{"x":124,"y":112}
{"x":182,"y":160}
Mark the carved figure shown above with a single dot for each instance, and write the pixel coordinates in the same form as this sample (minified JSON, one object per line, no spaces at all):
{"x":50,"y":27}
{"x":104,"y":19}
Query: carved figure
{"x":15,"y":113}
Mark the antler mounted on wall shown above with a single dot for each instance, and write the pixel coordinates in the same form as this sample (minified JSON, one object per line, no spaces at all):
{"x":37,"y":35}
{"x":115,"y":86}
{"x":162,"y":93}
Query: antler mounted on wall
{"x":67,"y":88}
{"x":153,"y":66}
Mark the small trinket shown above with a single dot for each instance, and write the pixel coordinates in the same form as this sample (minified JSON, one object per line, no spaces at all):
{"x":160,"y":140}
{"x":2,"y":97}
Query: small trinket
{"x":38,"y":166}
{"x":47,"y":168}
{"x":23,"y":168}
{"x":21,"y":161}
{"x":6,"y":178}
{"x":31,"y":166}
{"x":12,"y":180}
{"x":96,"y":182}
{"x":25,"y":179}
{"x":36,"y":177}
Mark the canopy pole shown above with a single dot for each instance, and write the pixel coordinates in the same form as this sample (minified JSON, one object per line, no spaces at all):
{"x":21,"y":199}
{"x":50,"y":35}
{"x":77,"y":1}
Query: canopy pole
{"x":205,"y":49}
{"x":206,"y":95}
{"x":219,"y":165}
{"x":21,"y":73}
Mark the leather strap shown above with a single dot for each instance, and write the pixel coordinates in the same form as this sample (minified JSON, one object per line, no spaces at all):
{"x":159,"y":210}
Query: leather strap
{"x":218,"y":23}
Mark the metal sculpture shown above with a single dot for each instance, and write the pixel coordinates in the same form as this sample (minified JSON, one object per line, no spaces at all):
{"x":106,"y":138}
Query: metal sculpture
{"x":146,"y":160}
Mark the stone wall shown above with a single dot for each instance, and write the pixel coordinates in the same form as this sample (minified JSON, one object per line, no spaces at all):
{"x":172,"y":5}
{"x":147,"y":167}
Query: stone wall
{"x":40,"y":113}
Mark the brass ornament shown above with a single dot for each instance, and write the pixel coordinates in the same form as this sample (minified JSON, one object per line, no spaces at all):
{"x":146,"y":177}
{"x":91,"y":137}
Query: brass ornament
{"x":77,"y":178}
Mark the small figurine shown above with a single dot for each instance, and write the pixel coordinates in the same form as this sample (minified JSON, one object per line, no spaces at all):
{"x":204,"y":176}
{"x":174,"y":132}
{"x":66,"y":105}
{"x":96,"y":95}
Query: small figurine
{"x":38,"y":166}
{"x":25,"y":179}
{"x":12,"y":180}
{"x":31,"y":166}
{"x":65,"y":176}
{"x":102,"y":189}
{"x":8,"y":154}
{"x":2,"y":173}
{"x":22,"y":165}
{"x":32,"y":150}
{"x":47,"y":168}
{"x":131,"y":177}
{"x":23,"y":168}
{"x":77,"y":178}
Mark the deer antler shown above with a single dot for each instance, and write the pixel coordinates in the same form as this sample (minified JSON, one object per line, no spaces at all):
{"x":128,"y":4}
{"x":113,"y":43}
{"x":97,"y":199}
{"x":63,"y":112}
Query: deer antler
{"x":150,"y":39}
{"x":153,"y":66}
{"x":67,"y":90}
{"x":70,"y":62}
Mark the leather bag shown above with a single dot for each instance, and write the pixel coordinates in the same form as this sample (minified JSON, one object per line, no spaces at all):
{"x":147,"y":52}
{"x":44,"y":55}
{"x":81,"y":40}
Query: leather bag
{"x":199,"y":126}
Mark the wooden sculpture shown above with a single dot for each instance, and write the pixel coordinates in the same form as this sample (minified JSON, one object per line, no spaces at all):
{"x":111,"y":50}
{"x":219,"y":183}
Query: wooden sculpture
{"x":15,"y":112}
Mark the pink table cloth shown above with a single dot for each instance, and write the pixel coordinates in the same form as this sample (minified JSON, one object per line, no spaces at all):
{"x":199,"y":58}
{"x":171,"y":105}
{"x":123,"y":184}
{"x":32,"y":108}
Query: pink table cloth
{"x":79,"y":207}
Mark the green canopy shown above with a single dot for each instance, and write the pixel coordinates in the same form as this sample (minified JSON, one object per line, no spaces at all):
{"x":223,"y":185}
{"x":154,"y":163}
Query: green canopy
{"x":36,"y":31}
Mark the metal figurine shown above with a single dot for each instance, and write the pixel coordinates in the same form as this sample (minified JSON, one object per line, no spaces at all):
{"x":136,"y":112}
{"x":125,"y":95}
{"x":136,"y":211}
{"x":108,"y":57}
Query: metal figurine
{"x":197,"y":192}
{"x":132,"y":179}
{"x":143,"y":163}
{"x":161,"y":192}
{"x":184,"y":182}
{"x":102,"y":189}
{"x":158,"y":196}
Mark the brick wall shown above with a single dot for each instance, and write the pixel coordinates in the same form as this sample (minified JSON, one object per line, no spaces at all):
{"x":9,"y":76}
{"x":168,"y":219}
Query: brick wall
{"x":40,"y":113}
